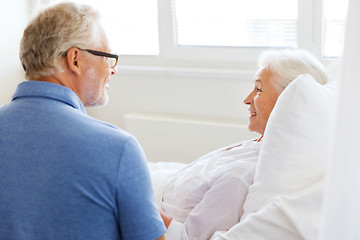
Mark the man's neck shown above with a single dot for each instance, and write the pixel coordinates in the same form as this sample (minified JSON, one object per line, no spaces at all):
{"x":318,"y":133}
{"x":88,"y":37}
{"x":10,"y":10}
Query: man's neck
{"x":62,"y":79}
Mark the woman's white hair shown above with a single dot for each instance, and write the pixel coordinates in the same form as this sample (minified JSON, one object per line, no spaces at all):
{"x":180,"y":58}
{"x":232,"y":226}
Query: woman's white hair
{"x":53,"y":32}
{"x":286,"y":65}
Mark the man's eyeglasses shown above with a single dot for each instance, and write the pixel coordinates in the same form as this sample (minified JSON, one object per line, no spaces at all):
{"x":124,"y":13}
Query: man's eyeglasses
{"x":112,"y":59}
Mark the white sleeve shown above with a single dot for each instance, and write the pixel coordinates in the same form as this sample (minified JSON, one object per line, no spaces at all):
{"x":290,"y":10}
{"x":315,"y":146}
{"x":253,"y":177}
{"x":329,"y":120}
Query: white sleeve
{"x":220,"y":209}
{"x":176,"y":231}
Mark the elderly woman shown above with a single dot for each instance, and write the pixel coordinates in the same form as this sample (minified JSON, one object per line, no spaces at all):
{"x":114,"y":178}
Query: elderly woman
{"x":207,"y":195}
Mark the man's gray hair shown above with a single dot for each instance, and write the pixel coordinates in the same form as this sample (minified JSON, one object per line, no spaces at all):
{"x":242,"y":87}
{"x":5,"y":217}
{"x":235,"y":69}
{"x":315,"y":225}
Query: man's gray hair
{"x":286,"y":65}
{"x":48,"y":37}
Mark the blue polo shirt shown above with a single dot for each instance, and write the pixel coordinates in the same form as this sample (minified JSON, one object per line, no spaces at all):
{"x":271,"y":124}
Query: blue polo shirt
{"x":65,"y":175}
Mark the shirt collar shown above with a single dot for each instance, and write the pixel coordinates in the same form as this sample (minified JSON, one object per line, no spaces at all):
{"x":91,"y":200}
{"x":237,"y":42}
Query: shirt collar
{"x":49,"y":90}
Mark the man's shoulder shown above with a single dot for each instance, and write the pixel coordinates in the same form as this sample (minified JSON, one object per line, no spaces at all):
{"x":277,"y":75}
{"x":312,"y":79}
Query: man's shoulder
{"x":104,"y":129}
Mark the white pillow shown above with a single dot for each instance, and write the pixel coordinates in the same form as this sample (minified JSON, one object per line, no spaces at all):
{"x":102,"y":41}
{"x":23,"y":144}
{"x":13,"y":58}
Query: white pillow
{"x":296,"y":142}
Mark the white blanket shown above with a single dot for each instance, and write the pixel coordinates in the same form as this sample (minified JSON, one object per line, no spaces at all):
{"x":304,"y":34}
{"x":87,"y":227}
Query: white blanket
{"x":207,"y":195}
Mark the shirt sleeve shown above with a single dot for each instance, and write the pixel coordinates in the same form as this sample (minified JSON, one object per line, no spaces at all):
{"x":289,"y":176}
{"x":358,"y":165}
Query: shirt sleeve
{"x":220,"y":209}
{"x":138,"y":215}
{"x":176,"y":231}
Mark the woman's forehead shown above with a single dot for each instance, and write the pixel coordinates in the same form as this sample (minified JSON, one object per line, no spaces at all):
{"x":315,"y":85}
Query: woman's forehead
{"x":263,"y":74}
{"x":259,"y":72}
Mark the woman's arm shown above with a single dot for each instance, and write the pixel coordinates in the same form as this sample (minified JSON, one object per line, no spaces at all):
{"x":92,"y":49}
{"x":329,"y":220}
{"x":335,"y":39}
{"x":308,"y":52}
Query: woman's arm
{"x":166,"y":218}
{"x":220,"y":209}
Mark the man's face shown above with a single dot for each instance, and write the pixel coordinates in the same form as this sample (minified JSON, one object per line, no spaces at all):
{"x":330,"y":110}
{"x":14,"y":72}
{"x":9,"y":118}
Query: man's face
{"x":97,"y":77}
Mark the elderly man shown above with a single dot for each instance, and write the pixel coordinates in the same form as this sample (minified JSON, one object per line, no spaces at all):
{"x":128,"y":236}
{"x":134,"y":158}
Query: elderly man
{"x":65,"y":175}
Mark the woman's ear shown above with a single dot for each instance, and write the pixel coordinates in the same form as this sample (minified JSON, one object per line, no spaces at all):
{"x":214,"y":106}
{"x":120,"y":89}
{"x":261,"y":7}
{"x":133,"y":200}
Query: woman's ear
{"x":72,"y":60}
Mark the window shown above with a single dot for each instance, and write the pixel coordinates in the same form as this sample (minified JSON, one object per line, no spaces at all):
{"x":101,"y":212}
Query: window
{"x":131,"y":25}
{"x":335,"y":12}
{"x":219,"y":31}
{"x":236,"y":23}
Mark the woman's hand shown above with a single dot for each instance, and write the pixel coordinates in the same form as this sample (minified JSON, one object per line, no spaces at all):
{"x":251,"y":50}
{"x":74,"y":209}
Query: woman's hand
{"x":166,"y":218}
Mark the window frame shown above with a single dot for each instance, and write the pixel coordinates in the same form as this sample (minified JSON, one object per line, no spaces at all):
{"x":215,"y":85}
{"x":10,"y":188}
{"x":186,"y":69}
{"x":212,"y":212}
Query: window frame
{"x":309,"y":37}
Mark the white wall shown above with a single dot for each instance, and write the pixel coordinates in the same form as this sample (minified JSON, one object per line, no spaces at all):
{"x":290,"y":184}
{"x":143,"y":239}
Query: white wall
{"x":200,"y":92}
{"x":13,"y":18}
{"x":188,"y":112}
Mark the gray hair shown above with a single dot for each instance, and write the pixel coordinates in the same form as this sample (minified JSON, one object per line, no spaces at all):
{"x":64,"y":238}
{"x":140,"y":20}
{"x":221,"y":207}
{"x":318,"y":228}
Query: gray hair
{"x":286,"y":65}
{"x":52,"y":33}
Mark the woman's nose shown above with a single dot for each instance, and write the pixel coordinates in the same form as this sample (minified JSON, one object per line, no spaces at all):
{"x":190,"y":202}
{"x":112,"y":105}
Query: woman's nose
{"x":249,"y":99}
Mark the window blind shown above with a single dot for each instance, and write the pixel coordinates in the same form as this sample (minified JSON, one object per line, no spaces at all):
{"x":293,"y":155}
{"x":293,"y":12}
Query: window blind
{"x":236,"y":23}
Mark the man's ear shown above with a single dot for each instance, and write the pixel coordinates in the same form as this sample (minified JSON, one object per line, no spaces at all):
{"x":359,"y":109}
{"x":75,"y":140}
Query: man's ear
{"x":72,"y":60}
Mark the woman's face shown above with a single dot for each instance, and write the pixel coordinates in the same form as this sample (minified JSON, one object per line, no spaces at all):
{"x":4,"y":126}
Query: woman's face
{"x":261,"y":100}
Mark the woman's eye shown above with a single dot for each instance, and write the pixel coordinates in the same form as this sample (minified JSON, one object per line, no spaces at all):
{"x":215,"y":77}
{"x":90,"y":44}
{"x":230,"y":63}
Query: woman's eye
{"x":258,"y":90}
